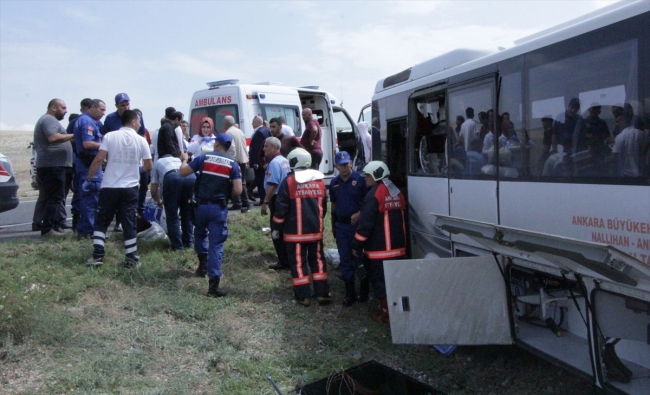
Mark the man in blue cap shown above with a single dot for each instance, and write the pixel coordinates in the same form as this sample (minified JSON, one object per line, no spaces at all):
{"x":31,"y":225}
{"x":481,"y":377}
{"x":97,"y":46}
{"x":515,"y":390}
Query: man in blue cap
{"x":347,"y":191}
{"x":216,"y":173}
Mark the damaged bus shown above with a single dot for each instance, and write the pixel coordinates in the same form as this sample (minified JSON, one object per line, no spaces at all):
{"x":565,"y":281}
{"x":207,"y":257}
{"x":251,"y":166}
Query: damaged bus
{"x":527,"y":175}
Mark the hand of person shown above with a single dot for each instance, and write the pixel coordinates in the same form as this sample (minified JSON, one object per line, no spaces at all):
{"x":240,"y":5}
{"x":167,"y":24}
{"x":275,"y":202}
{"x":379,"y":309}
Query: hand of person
{"x":160,"y":203}
{"x":255,"y":166}
{"x":355,"y":218}
{"x":89,"y":186}
{"x":264,"y":209}
{"x":275,"y":235}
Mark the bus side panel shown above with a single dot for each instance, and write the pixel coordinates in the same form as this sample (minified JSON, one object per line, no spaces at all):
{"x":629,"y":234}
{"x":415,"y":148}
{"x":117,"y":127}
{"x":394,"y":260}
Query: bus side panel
{"x":617,"y":215}
{"x":427,"y":195}
{"x":475,"y":200}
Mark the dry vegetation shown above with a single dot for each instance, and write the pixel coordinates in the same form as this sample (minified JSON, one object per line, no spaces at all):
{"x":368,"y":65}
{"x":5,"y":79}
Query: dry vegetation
{"x":14,"y":146}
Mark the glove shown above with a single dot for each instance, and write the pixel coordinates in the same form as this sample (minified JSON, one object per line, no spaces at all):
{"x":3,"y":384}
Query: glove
{"x":275,"y":235}
{"x":89,"y":186}
{"x":207,"y":139}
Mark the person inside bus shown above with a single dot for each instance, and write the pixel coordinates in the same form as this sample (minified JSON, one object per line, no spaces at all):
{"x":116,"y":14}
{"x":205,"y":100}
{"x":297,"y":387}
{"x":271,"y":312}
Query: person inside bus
{"x":630,"y":147}
{"x":565,"y":130}
{"x":469,"y":129}
{"x":592,"y":137}
{"x":484,"y":128}
{"x":475,"y":161}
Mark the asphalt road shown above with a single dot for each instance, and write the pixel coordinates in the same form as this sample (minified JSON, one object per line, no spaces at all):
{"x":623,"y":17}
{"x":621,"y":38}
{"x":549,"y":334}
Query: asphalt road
{"x":17,"y":223}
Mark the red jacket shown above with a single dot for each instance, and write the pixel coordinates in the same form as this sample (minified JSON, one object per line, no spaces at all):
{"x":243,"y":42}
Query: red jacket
{"x":381,"y":231}
{"x":300,"y":209}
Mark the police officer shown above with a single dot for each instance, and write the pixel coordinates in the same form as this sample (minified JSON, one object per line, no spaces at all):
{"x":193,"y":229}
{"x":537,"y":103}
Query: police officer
{"x":215,"y":172}
{"x":300,"y":206}
{"x":381,"y":232}
{"x":347,"y":191}
{"x":88,"y":139}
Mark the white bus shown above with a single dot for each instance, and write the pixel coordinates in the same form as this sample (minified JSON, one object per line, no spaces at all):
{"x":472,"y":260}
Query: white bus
{"x":527,"y":176}
{"x":271,"y":100}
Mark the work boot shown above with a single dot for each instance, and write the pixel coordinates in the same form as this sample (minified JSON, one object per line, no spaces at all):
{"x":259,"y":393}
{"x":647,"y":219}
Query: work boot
{"x":383,"y":315}
{"x":213,"y":288}
{"x":324,"y":300}
{"x":350,"y":294}
{"x":364,"y":291}
{"x":75,"y":222}
{"x":202,"y":269}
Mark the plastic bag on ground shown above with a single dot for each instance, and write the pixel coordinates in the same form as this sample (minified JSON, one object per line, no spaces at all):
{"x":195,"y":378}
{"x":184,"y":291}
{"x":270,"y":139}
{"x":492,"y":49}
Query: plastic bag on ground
{"x":155,"y":232}
{"x":332,"y":257}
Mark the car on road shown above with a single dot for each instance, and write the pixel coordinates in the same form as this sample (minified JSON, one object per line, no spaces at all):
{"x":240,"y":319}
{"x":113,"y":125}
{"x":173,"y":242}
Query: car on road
{"x":8,"y":186}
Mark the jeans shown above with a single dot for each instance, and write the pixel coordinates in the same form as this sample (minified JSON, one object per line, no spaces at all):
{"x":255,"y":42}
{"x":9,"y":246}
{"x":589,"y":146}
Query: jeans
{"x":125,"y":202}
{"x":88,"y":200}
{"x":211,"y":221}
{"x":177,"y":192}
{"x":52,"y":192}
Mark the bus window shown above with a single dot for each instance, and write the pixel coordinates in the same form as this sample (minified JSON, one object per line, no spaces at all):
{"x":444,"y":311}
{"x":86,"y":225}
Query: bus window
{"x":470,"y":154}
{"x":574,"y":117}
{"x":396,"y":156}
{"x":512,"y":138}
{"x":429,"y":141}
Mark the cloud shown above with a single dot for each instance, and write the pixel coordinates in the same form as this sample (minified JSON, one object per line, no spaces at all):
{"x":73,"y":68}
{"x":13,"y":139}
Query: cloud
{"x":84,"y":16}
{"x":415,"y":7}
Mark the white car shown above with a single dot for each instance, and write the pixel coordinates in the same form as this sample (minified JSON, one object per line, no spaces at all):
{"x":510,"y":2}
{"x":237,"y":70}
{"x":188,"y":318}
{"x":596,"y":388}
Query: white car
{"x":8,"y":186}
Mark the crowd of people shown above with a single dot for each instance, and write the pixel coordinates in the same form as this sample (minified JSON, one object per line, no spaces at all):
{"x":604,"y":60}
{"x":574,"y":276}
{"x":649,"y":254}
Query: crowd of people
{"x":109,"y":166}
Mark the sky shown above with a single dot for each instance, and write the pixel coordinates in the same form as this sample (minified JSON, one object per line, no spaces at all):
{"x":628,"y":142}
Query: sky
{"x":161,"y":52}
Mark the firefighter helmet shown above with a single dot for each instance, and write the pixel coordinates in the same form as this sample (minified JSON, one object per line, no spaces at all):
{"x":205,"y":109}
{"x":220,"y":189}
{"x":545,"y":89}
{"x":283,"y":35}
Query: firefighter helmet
{"x":377,"y":170}
{"x":299,"y":158}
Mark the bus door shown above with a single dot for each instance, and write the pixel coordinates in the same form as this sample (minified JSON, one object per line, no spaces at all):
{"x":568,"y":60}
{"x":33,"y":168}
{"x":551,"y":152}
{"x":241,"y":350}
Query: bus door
{"x":428,"y":184}
{"x":472,"y":160}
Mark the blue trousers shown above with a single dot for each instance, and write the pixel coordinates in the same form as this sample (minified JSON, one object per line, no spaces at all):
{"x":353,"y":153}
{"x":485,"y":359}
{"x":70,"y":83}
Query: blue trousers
{"x":344,"y":236}
{"x":88,"y":200}
{"x":211,"y":222}
{"x":177,"y":192}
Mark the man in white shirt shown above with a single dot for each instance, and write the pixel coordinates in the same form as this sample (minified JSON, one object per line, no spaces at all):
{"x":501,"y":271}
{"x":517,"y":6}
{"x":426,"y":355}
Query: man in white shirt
{"x":286,"y":129}
{"x":125,"y":150}
{"x":239,"y":151}
{"x":469,"y":130}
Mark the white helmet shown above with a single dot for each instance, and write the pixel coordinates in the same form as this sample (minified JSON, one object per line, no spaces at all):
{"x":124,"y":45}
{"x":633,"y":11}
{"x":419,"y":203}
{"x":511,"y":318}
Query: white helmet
{"x":299,"y":158}
{"x":377,"y":170}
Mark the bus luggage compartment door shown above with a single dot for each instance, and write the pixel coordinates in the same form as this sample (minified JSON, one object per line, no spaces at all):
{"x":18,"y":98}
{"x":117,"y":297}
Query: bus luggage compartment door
{"x":447,"y":301}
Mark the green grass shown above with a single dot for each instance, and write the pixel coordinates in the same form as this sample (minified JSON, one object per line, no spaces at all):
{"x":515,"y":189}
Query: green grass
{"x":67,"y":328}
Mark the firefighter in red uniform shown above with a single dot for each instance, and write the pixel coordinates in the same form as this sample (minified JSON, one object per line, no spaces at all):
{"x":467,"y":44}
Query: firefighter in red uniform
{"x":381,"y":231}
{"x":300,"y":207}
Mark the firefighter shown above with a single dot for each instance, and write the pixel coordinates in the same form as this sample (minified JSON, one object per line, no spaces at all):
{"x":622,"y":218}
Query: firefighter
{"x":381,"y":231}
{"x":300,"y":208}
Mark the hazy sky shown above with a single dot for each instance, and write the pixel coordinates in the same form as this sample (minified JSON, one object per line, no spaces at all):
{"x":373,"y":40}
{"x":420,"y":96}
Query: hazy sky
{"x":160,"y":52}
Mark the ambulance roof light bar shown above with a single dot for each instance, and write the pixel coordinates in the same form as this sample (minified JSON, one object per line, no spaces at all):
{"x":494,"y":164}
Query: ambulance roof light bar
{"x":216,"y":84}
{"x":314,"y":87}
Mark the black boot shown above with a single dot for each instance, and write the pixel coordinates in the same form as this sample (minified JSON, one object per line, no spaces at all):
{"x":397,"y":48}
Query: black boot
{"x":75,"y":222}
{"x":364,"y":290}
{"x":350,"y":294}
{"x":213,"y":288}
{"x":202,"y":270}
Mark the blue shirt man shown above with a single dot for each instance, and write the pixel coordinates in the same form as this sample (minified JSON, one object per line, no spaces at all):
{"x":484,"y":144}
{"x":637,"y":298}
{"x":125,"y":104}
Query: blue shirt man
{"x":347,"y":191}
{"x":113,"y":120}
{"x":88,"y":139}
{"x":277,"y":170}
{"x":216,"y":171}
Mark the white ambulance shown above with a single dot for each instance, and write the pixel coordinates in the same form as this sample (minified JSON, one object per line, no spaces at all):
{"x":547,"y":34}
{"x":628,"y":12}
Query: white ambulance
{"x":271,"y":100}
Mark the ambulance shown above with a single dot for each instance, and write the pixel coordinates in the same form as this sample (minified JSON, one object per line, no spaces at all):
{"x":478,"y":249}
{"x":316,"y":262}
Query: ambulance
{"x":272,"y":100}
